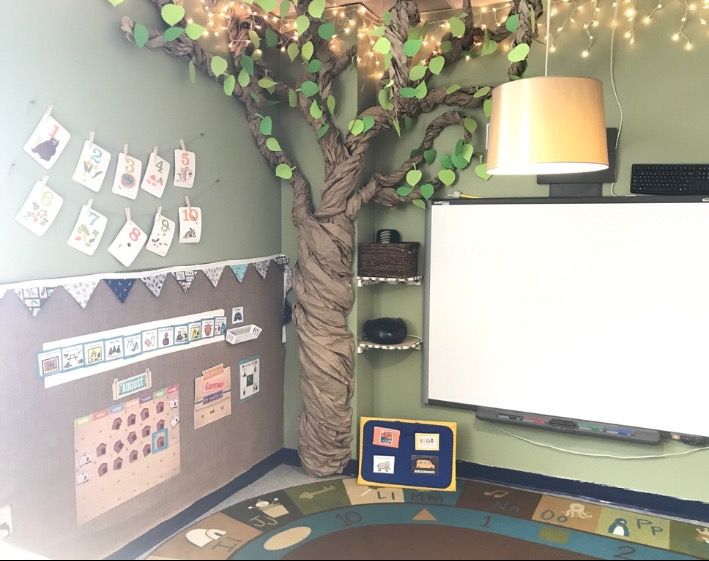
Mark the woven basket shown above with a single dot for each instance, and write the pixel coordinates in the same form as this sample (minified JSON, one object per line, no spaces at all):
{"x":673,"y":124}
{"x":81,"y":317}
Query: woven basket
{"x":388,"y":259}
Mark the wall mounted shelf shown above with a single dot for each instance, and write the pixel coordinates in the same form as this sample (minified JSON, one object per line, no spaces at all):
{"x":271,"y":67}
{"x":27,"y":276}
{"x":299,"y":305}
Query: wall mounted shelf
{"x":411,"y":342}
{"x":410,"y":281}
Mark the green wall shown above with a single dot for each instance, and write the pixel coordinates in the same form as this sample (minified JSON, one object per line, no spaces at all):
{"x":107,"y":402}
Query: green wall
{"x":74,"y":56}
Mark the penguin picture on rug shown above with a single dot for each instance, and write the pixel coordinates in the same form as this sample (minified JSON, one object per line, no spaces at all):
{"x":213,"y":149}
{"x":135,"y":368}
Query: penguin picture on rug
{"x":619,"y":527}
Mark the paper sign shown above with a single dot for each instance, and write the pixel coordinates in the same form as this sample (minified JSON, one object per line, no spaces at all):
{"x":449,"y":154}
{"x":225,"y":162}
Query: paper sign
{"x":127,"y":178}
{"x":47,"y":141}
{"x":134,"y":384}
{"x":39,"y":209}
{"x":128,"y":243}
{"x":92,"y":166}
{"x":185,"y":168}
{"x":212,"y":395}
{"x":190,"y":224}
{"x":156,"y":175}
{"x":427,"y":441}
{"x":249,"y":376}
{"x":161,"y":237}
{"x":88,"y":231}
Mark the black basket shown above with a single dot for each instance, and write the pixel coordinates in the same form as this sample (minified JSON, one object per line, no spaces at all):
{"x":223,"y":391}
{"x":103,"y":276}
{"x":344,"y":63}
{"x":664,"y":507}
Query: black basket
{"x":388,"y":259}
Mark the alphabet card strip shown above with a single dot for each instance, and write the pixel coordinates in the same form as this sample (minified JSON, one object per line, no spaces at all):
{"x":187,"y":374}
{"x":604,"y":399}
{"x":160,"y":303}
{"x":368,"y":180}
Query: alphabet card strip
{"x":161,"y":236}
{"x":127,"y":178}
{"x":185,"y":166}
{"x":128,"y":243}
{"x":48,"y":141}
{"x":88,"y":231}
{"x":190,"y":223}
{"x":92,"y":166}
{"x":40,"y":208}
{"x":156,"y":174}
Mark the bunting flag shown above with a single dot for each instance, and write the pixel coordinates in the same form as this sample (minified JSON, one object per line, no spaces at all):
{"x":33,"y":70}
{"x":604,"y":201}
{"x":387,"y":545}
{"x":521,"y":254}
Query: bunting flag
{"x":282,"y":261}
{"x":81,"y":291}
{"x":288,"y":278}
{"x":213,"y":274}
{"x":2,"y":292}
{"x":121,"y":287}
{"x":155,"y":283}
{"x":184,"y":278}
{"x":34,"y":298}
{"x":239,"y":271}
{"x":262,"y":267}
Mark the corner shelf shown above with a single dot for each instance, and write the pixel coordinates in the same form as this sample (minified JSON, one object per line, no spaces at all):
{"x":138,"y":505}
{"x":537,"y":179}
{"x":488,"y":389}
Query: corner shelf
{"x":409,"y":281}
{"x":411,"y":342}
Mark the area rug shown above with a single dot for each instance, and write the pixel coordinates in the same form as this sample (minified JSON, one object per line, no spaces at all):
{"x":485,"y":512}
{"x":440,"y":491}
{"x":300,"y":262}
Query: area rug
{"x":339,"y":519}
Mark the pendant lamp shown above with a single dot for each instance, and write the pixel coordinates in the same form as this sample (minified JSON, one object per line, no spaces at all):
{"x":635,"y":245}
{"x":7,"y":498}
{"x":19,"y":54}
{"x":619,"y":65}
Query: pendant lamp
{"x":547,"y":125}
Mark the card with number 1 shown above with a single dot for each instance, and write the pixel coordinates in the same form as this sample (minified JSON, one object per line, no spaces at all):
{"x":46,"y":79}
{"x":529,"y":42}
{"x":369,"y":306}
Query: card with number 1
{"x":39,"y":209}
{"x":88,"y":231}
{"x":48,"y":141}
{"x":128,"y":243}
{"x":127,"y":178}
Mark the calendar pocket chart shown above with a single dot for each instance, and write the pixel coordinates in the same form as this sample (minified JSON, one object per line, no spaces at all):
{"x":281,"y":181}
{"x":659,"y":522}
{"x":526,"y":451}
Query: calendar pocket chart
{"x":88,"y":231}
{"x":40,"y":208}
{"x":127,"y":178}
{"x":92,"y":166}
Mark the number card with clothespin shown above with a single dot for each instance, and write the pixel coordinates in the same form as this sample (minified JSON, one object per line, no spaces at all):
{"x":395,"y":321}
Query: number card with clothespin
{"x":88,"y":231}
{"x":190,"y":223}
{"x":48,"y":141}
{"x":40,"y":208}
{"x":156,"y":174}
{"x":128,"y":243}
{"x":160,"y":239}
{"x":185,"y":166}
{"x":92,"y":166}
{"x":127,"y":178}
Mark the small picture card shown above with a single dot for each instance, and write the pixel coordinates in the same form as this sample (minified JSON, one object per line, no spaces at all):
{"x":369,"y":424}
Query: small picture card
{"x":195,"y":331}
{"x":181,"y":335}
{"x":237,"y":315}
{"x":249,"y":376}
{"x":160,"y":239}
{"x":131,"y":345}
{"x":92,"y":166}
{"x":128,"y":243}
{"x":156,"y":174}
{"x":427,"y":465}
{"x":386,"y":437}
{"x":88,"y":230}
{"x":150,"y":340}
{"x":39,"y":209}
{"x":383,"y":464}
{"x":127,"y":178}
{"x":72,"y":357}
{"x":207,"y":328}
{"x":427,"y":441}
{"x":93,"y":352}
{"x":49,"y":362}
{"x":114,"y":348}
{"x":190,"y":224}
{"x":220,"y":325}
{"x":47,"y":141}
{"x":185,"y":168}
{"x":165,"y":336}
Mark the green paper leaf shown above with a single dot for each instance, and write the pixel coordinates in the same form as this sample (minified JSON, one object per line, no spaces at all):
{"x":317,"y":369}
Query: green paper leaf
{"x":292,"y":51}
{"x":378,"y":31}
{"x":115,"y":3}
{"x":266,"y":126}
{"x":386,"y":17}
{"x":447,"y":177}
{"x":421,"y":90}
{"x":273,"y":145}
{"x":172,"y":33}
{"x":326,"y":31}
{"x":489,"y":46}
{"x":357,"y":127}
{"x":467,"y":152}
{"x":195,"y":31}
{"x":519,"y":53}
{"x":436,"y":64}
{"x":446,"y":46}
{"x":382,"y":45}
{"x":452,"y":88}
{"x":459,"y":145}
{"x":417,"y":72}
{"x":322,"y":131}
{"x":459,"y":161}
{"x":512,"y":23}
{"x":419,"y":203}
{"x":331,"y":103}
{"x":302,"y":23}
{"x":426,"y":190}
{"x":266,"y":83}
{"x":292,"y":98}
{"x":487,"y":107}
{"x":192,"y":71}
{"x":457,"y":27}
{"x":413,"y":177}
{"x":408,"y":93}
{"x":408,"y":122}
{"x":140,"y":34}
{"x":284,"y":171}
{"x":446,"y":162}
{"x":314,"y":66}
{"x":316,"y":8}
{"x":315,"y":110}
{"x":412,"y":47}
{"x":385,"y":100}
{"x":397,"y":127}
{"x":307,"y":51}
{"x":247,"y":63}
{"x":243,"y":78}
{"x":255,"y":39}
{"x":404,"y":190}
{"x":266,"y":5}
{"x":229,"y":83}
{"x":481,"y":171}
{"x":482,"y":92}
{"x":470,"y":124}
{"x":430,"y":156}
{"x":271,"y":37}
{"x":284,"y":8}
{"x":309,"y":88}
{"x":172,"y":13}
{"x":218,"y":65}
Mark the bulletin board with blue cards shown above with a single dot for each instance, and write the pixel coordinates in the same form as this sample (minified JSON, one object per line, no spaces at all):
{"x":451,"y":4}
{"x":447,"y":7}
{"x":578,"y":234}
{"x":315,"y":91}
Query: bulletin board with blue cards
{"x":407,"y":453}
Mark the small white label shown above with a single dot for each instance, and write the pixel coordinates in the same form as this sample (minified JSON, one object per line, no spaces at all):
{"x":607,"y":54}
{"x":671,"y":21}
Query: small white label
{"x":427,"y":441}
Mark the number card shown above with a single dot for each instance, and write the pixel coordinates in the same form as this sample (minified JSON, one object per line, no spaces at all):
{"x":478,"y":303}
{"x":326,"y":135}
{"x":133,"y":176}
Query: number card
{"x":127,"y":178}
{"x":185,"y":168}
{"x":128,"y":243}
{"x":190,"y":224}
{"x":40,"y":208}
{"x":88,"y":231}
{"x":156,"y":174}
{"x":92,"y":166}
{"x":47,"y":141}
{"x":161,"y":237}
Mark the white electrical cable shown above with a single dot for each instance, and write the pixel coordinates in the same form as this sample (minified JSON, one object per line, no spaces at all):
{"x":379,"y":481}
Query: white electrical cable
{"x":615,"y":91}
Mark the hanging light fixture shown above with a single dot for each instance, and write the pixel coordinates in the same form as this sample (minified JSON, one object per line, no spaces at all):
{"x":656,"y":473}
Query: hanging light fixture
{"x":547,"y":125}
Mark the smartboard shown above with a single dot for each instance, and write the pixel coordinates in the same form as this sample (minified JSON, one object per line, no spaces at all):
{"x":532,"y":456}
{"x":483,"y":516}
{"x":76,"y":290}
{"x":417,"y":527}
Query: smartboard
{"x":587,"y":309}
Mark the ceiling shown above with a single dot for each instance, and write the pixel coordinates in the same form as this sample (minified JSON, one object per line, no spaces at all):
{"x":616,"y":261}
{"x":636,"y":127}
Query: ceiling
{"x":379,"y":6}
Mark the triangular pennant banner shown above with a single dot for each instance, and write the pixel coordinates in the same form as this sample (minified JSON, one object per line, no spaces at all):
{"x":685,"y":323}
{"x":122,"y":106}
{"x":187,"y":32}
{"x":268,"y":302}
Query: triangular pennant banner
{"x":262,"y":267}
{"x":34,"y":298}
{"x":288,"y":278}
{"x":184,"y":278}
{"x":282,"y":261}
{"x":2,"y":292}
{"x":213,"y":274}
{"x":81,"y":291}
{"x":121,"y":287}
{"x":155,"y":283}
{"x":239,"y":271}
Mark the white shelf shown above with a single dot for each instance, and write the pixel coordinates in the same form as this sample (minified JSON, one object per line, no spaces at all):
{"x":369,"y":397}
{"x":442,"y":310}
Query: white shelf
{"x":410,"y":343}
{"x":410,"y":281}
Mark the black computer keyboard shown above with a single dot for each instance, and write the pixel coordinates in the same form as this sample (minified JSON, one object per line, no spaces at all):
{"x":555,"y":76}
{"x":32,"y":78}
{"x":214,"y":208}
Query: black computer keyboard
{"x":670,"y":179}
